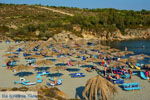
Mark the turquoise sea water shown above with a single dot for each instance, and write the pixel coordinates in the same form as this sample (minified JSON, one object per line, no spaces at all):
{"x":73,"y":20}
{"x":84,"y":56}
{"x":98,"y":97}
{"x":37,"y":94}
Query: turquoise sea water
{"x":137,"y":46}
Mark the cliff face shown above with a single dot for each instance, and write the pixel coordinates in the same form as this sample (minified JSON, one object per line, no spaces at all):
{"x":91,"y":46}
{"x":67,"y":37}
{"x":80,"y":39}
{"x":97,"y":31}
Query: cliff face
{"x":118,"y":35}
{"x":105,"y":35}
{"x":138,"y":33}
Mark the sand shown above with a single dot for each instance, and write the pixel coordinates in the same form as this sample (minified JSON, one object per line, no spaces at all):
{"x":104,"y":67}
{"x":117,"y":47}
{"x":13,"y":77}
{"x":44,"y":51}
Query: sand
{"x":73,"y":87}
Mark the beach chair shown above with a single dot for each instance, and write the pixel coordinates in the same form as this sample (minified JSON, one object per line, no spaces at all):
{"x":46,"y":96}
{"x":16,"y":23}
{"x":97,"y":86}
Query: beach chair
{"x":125,"y":76}
{"x":38,"y":76}
{"x":51,"y":79}
{"x":59,"y":81}
{"x":39,"y":80}
{"x":137,"y":67}
{"x":27,"y":83}
{"x":143,"y":76}
{"x":50,"y":84}
{"x":117,"y":71}
{"x":131,"y":86}
{"x":45,"y":73}
{"x":76,"y":75}
{"x":20,"y":82}
{"x":118,"y":81}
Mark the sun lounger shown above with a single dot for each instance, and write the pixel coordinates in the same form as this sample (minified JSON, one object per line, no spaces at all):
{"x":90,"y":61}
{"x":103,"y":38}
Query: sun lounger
{"x":125,"y":76}
{"x":20,"y":82}
{"x":27,"y":84}
{"x":50,"y":84}
{"x":143,"y":76}
{"x":137,"y":67}
{"x":116,"y":71}
{"x":39,"y":80}
{"x":43,"y":73}
{"x":38,"y":76}
{"x":118,"y":81}
{"x":131,"y":86}
{"x":59,"y":82}
{"x":75,"y":75}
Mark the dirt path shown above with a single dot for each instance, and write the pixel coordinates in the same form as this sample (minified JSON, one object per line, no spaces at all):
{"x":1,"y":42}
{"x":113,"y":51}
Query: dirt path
{"x":58,"y":11}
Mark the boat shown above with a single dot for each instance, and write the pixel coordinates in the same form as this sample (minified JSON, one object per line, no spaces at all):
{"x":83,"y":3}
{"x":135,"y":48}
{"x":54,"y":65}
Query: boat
{"x":143,"y":76}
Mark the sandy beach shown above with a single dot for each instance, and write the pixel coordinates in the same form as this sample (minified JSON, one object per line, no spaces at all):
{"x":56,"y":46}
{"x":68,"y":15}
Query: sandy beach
{"x":73,"y":87}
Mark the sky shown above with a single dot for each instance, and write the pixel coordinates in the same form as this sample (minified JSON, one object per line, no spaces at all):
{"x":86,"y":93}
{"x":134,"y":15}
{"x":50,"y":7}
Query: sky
{"x":118,"y":4}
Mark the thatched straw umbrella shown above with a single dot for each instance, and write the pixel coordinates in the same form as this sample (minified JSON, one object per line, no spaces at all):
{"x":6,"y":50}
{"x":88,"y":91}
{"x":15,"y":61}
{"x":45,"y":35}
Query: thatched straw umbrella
{"x":98,"y":88}
{"x":12,"y":59}
{"x":92,"y":60}
{"x":147,"y":66}
{"x":9,"y":54}
{"x":44,"y":62}
{"x":123,"y":60}
{"x":132,"y":60}
{"x":58,"y":68}
{"x":22,"y":67}
{"x":36,"y":56}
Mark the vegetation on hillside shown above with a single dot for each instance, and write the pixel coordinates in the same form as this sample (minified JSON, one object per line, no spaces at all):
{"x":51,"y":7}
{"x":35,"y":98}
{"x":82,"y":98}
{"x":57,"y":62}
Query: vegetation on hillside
{"x":32,"y":22}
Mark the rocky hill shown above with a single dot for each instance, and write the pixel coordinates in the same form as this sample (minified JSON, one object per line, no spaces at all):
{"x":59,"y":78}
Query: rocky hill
{"x":34,"y":22}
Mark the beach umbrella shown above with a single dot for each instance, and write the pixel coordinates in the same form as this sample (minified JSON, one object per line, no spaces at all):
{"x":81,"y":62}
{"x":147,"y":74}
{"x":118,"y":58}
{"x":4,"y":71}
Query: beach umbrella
{"x":10,"y":54}
{"x":10,"y":49}
{"x":80,"y":63}
{"x":147,"y":66}
{"x":58,"y":68}
{"x":44,"y":62}
{"x":12,"y":59}
{"x":132,"y":60}
{"x":23,"y":74}
{"x":22,"y":67}
{"x":123,"y":60}
{"x":92,"y":60}
{"x":98,"y":88}
{"x":48,"y":62}
{"x":36,"y":56}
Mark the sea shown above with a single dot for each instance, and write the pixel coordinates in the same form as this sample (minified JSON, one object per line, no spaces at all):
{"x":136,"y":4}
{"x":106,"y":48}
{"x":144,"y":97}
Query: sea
{"x":137,"y":46}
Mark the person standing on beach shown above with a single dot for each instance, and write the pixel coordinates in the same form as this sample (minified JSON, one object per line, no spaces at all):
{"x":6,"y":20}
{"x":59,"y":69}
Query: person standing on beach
{"x":126,"y":49}
{"x":130,"y":72}
{"x":147,"y":74}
